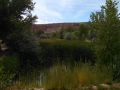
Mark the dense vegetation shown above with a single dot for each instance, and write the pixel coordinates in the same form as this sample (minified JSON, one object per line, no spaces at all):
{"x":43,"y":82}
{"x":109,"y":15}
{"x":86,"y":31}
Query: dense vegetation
{"x":65,"y":59}
{"x":72,"y":51}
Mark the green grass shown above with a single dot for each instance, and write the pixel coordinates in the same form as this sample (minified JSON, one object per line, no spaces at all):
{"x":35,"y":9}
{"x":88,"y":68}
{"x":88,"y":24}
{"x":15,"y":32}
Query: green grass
{"x":65,"y":42}
{"x":52,"y":49}
{"x":61,"y":76}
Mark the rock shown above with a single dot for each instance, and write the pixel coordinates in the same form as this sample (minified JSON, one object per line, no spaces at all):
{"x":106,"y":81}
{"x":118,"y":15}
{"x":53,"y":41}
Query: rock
{"x":94,"y":87}
{"x":12,"y":87}
{"x":39,"y":88}
{"x":116,"y":85}
{"x":105,"y":86}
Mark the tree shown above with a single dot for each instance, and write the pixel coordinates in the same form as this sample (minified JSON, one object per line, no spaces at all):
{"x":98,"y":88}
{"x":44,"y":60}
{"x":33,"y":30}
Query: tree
{"x":15,"y":22}
{"x":15,"y":15}
{"x":92,"y":35}
{"x":67,"y":36}
{"x":107,"y":24}
{"x":83,"y":30}
{"x":38,"y":33}
{"x":26,"y":45}
{"x":69,"y":29}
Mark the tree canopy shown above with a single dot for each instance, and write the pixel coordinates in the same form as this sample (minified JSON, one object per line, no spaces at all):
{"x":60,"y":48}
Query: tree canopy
{"x":15,"y":15}
{"x":107,"y":24}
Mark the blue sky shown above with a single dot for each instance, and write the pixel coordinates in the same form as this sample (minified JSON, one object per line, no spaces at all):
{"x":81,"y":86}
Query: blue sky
{"x":56,"y":11}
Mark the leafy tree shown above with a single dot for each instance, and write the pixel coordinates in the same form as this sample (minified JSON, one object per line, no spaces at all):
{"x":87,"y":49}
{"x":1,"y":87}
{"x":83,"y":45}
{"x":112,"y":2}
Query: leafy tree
{"x":67,"y":36}
{"x":26,"y":45}
{"x":92,"y":35}
{"x":53,"y":34}
{"x":107,"y":24}
{"x":38,"y":32}
{"x":60,"y":34}
{"x":15,"y":15}
{"x":73,"y":35}
{"x":69,"y":29}
{"x":15,"y":22}
{"x":82,"y":31}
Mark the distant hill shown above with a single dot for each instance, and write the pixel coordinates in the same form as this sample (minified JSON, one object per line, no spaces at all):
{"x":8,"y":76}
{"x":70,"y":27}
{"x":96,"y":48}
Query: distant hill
{"x":54,"y":26}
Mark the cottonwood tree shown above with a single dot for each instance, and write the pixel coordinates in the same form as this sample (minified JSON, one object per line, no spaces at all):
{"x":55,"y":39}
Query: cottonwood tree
{"x":107,"y":24}
{"x":82,"y":31}
{"x":15,"y":15}
{"x":15,"y":21}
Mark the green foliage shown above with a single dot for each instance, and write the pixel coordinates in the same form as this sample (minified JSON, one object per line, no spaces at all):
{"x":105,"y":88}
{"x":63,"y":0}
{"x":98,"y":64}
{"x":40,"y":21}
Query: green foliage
{"x":29,"y":80}
{"x":15,"y":21}
{"x":38,"y":33}
{"x":69,"y":29}
{"x":61,"y":34}
{"x":64,"y":49}
{"x":71,"y":33}
{"x":65,"y":76}
{"x":26,"y":45}
{"x":82,"y":31}
{"x":5,"y":76}
{"x":92,"y":35}
{"x":116,"y":70}
{"x":11,"y":63}
{"x":107,"y":24}
{"x":67,"y":36}
{"x":11,"y":17}
{"x":83,"y":37}
{"x":73,"y":36}
{"x":65,"y":33}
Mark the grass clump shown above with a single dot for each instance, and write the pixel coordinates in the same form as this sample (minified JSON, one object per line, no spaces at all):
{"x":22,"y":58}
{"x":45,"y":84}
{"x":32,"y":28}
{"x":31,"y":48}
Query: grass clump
{"x":64,"y":76}
{"x":5,"y":76}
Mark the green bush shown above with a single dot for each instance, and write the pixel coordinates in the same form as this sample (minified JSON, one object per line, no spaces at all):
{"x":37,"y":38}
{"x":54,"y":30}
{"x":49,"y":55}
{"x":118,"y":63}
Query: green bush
{"x":67,"y":36}
{"x":26,"y":45}
{"x":5,"y":76}
{"x":11,"y":63}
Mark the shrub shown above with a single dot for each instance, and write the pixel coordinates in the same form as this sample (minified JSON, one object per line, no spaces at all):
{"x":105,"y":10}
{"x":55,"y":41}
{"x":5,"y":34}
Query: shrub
{"x":26,"y":45}
{"x":67,"y":36}
{"x":11,"y":63}
{"x":5,"y":76}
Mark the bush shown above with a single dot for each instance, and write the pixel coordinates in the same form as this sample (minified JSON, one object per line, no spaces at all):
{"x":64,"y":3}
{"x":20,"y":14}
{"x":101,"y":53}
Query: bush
{"x":5,"y":76}
{"x":26,"y":45}
{"x":11,"y":63}
{"x":67,"y":36}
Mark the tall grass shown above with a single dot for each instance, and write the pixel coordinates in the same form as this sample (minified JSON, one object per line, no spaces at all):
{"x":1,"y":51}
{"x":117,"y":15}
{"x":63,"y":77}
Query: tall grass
{"x":63,"y":49}
{"x":29,"y":80}
{"x":62,"y":76}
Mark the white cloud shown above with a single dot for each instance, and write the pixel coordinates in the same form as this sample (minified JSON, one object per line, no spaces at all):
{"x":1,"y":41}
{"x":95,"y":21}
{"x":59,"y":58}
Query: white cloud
{"x":63,"y":10}
{"x":43,"y":10}
{"x":38,"y":21}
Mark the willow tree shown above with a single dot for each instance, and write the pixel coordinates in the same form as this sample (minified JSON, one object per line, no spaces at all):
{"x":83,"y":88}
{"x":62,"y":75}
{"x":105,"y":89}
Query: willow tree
{"x":107,"y":24}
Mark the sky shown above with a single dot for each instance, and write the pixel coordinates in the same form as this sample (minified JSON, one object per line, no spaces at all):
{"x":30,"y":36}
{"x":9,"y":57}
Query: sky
{"x":58,"y":11}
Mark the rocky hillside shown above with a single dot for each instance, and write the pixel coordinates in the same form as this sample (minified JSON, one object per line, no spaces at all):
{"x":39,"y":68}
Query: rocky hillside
{"x":54,"y":26}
